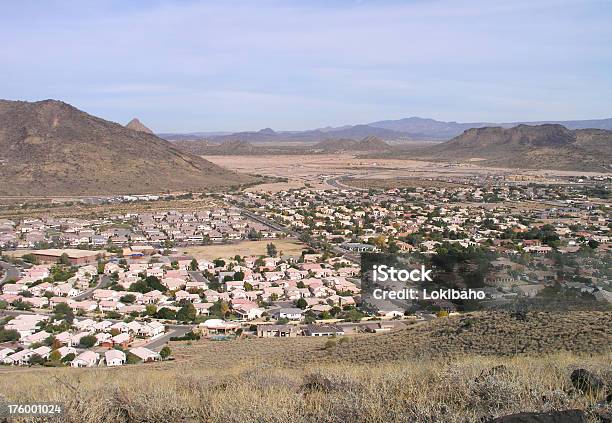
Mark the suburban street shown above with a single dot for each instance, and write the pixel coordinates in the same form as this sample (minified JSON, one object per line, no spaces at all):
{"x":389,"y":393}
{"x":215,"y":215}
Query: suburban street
{"x":104,"y":281}
{"x":11,"y":272}
{"x":172,"y":331}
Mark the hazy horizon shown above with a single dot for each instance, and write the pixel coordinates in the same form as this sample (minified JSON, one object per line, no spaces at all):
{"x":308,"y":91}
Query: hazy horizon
{"x":238,"y":66}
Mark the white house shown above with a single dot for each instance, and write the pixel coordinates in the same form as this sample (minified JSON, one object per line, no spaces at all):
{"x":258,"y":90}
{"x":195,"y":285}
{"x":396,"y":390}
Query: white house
{"x":114,"y":358}
{"x":145,"y":354}
{"x":290,"y":313}
{"x":19,"y":358}
{"x":152,"y":329}
{"x":86,"y":359}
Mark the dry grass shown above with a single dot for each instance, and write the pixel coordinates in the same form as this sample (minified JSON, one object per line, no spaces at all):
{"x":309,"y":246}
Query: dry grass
{"x":491,"y":334}
{"x":427,"y":373}
{"x":287,"y":246}
{"x":462,"y":390}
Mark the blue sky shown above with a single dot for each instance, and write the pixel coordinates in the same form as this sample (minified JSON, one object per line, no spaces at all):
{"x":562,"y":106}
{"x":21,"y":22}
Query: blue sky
{"x":230,"y":65}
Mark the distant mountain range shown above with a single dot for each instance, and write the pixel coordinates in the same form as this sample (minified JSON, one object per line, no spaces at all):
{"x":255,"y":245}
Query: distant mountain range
{"x":51,"y":148}
{"x":547,"y":146}
{"x":413,"y":128}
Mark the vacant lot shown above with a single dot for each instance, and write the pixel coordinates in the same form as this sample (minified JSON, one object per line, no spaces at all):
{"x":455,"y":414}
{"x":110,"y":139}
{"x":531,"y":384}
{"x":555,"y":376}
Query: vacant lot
{"x":316,"y":169}
{"x":284,"y":246}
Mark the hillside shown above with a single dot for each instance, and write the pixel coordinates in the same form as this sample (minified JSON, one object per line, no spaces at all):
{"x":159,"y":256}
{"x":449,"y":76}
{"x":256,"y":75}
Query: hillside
{"x":391,"y":377}
{"x":546,"y":146}
{"x":197,"y":147}
{"x":52,"y":148}
{"x":137,"y":125}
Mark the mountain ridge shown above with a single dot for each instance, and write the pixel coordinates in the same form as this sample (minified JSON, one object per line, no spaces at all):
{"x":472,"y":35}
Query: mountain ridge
{"x":550,"y":146}
{"x":52,"y":148}
{"x":406,"y":129}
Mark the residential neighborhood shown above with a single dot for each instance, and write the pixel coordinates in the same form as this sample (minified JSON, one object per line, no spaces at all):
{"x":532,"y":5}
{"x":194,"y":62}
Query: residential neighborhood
{"x":99,"y":291}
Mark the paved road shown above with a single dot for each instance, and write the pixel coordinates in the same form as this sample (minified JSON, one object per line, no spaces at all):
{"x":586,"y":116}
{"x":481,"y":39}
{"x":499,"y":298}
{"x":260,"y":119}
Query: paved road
{"x":104,"y":282}
{"x":336,"y":183}
{"x":11,"y":272}
{"x":173,"y":330}
{"x":198,"y":276}
{"x":350,"y":256}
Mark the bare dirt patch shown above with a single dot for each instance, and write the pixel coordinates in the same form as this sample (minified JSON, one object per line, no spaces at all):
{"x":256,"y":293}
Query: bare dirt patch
{"x":285,"y":246}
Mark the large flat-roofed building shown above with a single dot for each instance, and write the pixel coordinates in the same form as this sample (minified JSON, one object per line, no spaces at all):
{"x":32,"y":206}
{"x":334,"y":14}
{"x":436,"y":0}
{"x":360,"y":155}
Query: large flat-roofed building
{"x":75,"y":256}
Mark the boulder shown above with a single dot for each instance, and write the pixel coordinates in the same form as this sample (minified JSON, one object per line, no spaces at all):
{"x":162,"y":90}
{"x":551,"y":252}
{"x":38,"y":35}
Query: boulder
{"x":568,"y":416}
{"x":586,"y":381}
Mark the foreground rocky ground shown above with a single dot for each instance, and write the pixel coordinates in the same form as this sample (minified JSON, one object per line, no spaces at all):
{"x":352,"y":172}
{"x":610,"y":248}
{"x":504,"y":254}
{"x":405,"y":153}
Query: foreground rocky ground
{"x":446,"y":370}
{"x":475,"y":389}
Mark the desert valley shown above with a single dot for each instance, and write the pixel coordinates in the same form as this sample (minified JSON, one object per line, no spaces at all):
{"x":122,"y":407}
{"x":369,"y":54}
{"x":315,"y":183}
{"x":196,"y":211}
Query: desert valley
{"x":253,"y":270}
{"x":306,"y":211}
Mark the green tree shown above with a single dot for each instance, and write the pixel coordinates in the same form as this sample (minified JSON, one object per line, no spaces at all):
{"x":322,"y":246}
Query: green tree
{"x":68,"y":358}
{"x":301,"y":303}
{"x":21,"y":305}
{"x":271,"y":249}
{"x":194,"y":265}
{"x":166,"y":313}
{"x":65,"y":260}
{"x":165,"y":352}
{"x":55,"y":355}
{"x":150,"y":309}
{"x":37,"y":359}
{"x":593,"y":244}
{"x":187,"y":313}
{"x":128,"y":299}
{"x":88,"y":341}
{"x":9,"y":335}
{"x":63,"y":311}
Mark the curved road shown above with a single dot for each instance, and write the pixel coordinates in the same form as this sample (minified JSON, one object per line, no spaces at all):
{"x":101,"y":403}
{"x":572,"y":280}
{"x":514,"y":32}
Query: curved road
{"x":11,"y":272}
{"x":103,"y":283}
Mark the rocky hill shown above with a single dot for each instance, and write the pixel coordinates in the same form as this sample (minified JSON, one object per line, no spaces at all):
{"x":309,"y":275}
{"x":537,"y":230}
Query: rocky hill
{"x":52,"y":148}
{"x":548,"y":146}
{"x":137,"y":125}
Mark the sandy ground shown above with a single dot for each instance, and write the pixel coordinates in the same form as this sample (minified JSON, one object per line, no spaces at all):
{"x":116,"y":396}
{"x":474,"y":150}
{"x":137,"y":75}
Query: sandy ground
{"x":286,"y":246}
{"x":316,"y":170}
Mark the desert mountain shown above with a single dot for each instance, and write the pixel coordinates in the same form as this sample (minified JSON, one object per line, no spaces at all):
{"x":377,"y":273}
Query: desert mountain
{"x":204,"y":147}
{"x":355,"y":132}
{"x":407,"y":129}
{"x":197,"y":147}
{"x":547,"y":146}
{"x":137,"y":125}
{"x":420,"y":128}
{"x":52,"y":148}
{"x":367,"y":144}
